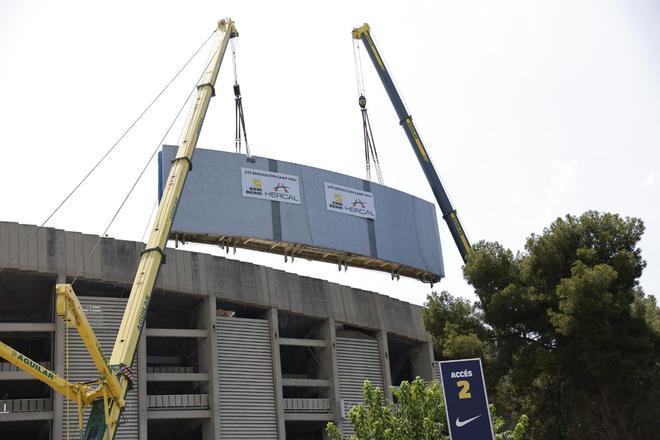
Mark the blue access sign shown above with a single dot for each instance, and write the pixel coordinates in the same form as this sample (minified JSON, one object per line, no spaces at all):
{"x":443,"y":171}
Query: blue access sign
{"x":466,"y":401}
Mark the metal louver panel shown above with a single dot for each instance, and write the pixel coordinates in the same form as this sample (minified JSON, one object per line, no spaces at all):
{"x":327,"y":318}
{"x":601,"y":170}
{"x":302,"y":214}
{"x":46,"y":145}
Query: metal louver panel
{"x":104,"y":314}
{"x":246,"y":388}
{"x":357,"y":360}
{"x":436,"y":372}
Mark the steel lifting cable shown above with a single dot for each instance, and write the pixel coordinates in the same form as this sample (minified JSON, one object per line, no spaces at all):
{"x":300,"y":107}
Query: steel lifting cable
{"x":146,"y":227}
{"x":66,"y":370}
{"x":107,"y":153}
{"x":144,"y":169}
{"x":370,"y":152}
{"x":240,"y":132}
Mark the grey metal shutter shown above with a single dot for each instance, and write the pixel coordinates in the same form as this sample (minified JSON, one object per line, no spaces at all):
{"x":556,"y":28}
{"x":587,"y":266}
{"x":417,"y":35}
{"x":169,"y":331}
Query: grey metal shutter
{"x":436,"y":372}
{"x":245,"y":371}
{"x":357,"y":360}
{"x":104,"y":314}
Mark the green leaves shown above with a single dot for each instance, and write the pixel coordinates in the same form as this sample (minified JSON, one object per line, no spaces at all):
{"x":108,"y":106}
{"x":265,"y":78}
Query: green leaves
{"x":585,"y":300}
{"x":456,"y":326}
{"x":418,"y":415}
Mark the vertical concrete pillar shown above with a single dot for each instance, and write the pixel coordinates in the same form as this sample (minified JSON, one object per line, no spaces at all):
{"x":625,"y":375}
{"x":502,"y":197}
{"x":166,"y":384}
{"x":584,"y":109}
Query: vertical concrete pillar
{"x":273,"y":320}
{"x":421,"y":360}
{"x":143,"y":399}
{"x":329,"y":366}
{"x":384,"y":352}
{"x":58,"y":367}
{"x":208,"y":363}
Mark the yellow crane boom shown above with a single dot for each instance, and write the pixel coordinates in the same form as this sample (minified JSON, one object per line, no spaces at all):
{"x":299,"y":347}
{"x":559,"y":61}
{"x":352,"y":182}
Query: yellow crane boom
{"x":106,"y":396}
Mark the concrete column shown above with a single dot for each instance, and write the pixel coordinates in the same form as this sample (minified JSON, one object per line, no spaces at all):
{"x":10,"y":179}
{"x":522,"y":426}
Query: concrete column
{"x":273,"y":320}
{"x":329,"y":366}
{"x":384,"y":352}
{"x":143,"y":399}
{"x":58,"y":368}
{"x":208,"y":363}
{"x":421,"y":360}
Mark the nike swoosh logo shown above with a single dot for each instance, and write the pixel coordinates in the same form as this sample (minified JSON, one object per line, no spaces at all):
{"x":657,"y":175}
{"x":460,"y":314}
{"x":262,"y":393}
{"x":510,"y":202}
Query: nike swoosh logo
{"x":460,"y":424}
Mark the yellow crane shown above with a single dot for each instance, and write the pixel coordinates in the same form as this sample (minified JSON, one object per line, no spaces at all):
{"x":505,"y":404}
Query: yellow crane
{"x":106,"y":395}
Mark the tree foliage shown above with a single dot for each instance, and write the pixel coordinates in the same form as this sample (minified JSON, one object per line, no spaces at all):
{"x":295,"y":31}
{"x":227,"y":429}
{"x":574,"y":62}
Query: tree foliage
{"x":418,"y":415}
{"x":567,"y":334}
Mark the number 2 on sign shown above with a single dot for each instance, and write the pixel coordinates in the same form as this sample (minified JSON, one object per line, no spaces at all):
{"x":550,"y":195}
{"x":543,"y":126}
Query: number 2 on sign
{"x":464,"y":393}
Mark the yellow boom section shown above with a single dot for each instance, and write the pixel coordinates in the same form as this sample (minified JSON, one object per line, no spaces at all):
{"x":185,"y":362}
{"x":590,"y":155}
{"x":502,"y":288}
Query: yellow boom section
{"x":69,"y":390}
{"x":69,"y":309}
{"x":108,"y":393}
{"x":152,"y":256}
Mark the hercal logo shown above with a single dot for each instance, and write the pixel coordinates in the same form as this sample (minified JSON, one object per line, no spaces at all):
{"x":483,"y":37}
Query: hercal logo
{"x":359,"y":202}
{"x":256,"y":183}
{"x":281,"y":186}
{"x":339,"y":198}
{"x":276,"y":194}
{"x":360,"y":207}
{"x":32,"y":364}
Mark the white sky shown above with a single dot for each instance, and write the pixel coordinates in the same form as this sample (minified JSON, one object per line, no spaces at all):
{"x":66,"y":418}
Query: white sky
{"x":530,"y":110}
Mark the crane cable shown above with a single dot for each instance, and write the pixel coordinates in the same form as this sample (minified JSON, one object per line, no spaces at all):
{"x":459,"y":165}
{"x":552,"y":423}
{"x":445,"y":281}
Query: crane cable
{"x":107,"y":153}
{"x":144,"y":169}
{"x":370,"y":152}
{"x":240,"y":132}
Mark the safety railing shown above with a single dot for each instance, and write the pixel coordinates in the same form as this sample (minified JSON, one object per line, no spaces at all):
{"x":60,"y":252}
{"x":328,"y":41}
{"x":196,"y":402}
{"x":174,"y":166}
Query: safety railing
{"x":24,"y":405}
{"x":178,"y":401}
{"x":307,"y":405}
{"x":176,"y":370}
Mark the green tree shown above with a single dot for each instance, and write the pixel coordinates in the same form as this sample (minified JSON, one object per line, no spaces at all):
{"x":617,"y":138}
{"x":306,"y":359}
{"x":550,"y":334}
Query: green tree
{"x":456,"y":326}
{"x":570,"y":338}
{"x":418,"y":415}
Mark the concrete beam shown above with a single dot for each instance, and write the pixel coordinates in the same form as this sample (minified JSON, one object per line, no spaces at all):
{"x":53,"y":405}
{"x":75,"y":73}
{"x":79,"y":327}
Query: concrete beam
{"x":303,"y":342}
{"x":15,"y":375}
{"x":384,"y":352}
{"x":178,"y":377}
{"x":309,"y":417}
{"x":324,"y":383}
{"x":58,"y":367}
{"x":273,"y":320}
{"x":179,"y":414}
{"x":208,"y":366}
{"x":27,"y":327}
{"x":177,"y":332}
{"x":27,"y":417}
{"x":329,"y":366}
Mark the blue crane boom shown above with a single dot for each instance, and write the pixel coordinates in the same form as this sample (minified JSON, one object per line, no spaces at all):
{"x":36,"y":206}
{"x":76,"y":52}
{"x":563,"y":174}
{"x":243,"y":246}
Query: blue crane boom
{"x":363,"y":33}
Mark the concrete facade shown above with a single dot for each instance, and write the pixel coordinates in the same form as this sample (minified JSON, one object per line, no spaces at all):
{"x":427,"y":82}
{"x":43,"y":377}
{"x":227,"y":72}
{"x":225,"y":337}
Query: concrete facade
{"x":178,"y":362}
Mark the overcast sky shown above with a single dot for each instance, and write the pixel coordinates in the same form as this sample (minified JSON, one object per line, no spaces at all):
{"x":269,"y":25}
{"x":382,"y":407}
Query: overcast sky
{"x":530,"y":110}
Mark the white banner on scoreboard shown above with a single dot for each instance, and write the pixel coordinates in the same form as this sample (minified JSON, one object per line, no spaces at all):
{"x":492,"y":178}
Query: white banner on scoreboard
{"x":268,"y":185}
{"x":349,"y":201}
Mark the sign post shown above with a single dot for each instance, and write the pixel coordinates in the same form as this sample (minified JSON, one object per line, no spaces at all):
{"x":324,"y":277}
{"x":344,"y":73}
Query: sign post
{"x":466,"y":401}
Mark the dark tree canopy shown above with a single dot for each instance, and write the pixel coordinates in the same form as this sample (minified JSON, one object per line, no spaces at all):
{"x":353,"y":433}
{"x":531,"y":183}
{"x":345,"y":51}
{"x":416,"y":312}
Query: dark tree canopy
{"x":567,"y":334}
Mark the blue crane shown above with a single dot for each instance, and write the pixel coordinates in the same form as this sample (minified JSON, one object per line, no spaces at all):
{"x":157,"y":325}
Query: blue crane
{"x":363,"y":34}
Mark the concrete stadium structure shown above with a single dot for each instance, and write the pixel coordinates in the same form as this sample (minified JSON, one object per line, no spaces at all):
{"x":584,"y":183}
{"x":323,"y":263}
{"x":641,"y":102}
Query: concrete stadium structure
{"x":231,"y":350}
